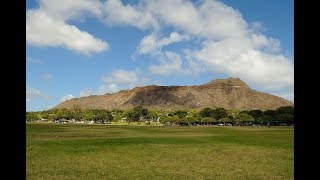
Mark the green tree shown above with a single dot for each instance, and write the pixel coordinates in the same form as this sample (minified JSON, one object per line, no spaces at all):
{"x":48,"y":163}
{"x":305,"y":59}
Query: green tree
{"x":206,"y":112}
{"x":117,"y":114}
{"x":44,"y":115}
{"x":243,"y":112}
{"x":76,"y":112}
{"x":102,"y":116}
{"x":97,"y":115}
{"x":32,"y":116}
{"x":180,"y":113}
{"x":264,"y":119}
{"x":208,"y":120}
{"x":109,"y":116}
{"x":63,"y":113}
{"x":271,"y":113}
{"x":152,"y":116}
{"x":285,"y":110}
{"x":170,"y":119}
{"x":165,"y":119}
{"x":255,"y":113}
{"x":188,"y":120}
{"x":220,"y":113}
{"x":131,"y":116}
{"x":87,"y":115}
{"x":242,"y":118}
{"x":137,"y":113}
{"x":285,"y":118}
{"x":175,"y":119}
{"x":226,"y":120}
{"x":196,"y":115}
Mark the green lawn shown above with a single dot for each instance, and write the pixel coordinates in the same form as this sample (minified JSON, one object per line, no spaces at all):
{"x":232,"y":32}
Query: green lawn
{"x":56,"y":151}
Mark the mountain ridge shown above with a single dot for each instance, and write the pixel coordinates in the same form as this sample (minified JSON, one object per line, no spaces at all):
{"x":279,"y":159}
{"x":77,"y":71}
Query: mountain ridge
{"x":230,"y":93}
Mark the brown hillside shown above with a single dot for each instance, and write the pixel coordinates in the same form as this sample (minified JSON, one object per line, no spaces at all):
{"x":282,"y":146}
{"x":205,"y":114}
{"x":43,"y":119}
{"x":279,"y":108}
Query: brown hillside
{"x":231,"y":93}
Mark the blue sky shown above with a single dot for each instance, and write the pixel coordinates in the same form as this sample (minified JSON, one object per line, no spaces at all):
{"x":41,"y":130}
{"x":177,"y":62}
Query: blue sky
{"x":79,"y":48}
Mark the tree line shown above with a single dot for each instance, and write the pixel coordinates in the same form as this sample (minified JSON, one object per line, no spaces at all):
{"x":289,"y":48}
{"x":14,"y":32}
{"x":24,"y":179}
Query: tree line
{"x":75,"y":113}
{"x":139,"y":114}
{"x":211,"y":116}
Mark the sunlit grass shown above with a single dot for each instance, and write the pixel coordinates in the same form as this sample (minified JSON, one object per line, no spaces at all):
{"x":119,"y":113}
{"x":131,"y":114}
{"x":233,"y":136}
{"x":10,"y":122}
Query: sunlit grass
{"x":132,"y":152}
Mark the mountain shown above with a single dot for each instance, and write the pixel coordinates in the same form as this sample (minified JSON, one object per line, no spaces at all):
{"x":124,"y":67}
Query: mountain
{"x":231,"y":93}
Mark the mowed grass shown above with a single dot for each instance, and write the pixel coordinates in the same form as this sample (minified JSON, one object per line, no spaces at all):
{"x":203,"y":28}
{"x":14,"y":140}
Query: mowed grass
{"x":140,"y":152}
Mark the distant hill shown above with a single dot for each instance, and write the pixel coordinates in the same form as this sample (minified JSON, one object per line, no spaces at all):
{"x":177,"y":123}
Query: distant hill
{"x":231,"y":93}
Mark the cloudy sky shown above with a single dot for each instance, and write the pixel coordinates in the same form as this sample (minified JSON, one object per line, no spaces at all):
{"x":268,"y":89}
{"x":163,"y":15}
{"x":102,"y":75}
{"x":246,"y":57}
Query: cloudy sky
{"x":83,"y":47}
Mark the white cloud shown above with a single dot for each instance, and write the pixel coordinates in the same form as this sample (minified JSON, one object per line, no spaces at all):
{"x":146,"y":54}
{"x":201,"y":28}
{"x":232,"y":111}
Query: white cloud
{"x":148,"y":44}
{"x":170,"y":63}
{"x":152,"y":43}
{"x":223,"y":41}
{"x":209,"y":19}
{"x":230,"y":46}
{"x":87,"y":92}
{"x":46,"y":77}
{"x":117,"y":80}
{"x":33,"y":93}
{"x":260,"y":41}
{"x":47,"y":26}
{"x":121,"y":79}
{"x":239,"y":59}
{"x":109,"y":88}
{"x":70,"y":9}
{"x":116,"y":13}
{"x":121,"y":76}
{"x":66,"y":97}
{"x":257,"y":26}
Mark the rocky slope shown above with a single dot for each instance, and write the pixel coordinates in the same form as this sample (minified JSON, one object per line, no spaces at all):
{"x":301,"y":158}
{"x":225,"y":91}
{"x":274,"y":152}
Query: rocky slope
{"x":231,"y":93}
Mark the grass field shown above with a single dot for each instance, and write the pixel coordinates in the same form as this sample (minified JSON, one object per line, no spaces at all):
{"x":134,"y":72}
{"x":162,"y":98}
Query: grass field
{"x":140,"y":152}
